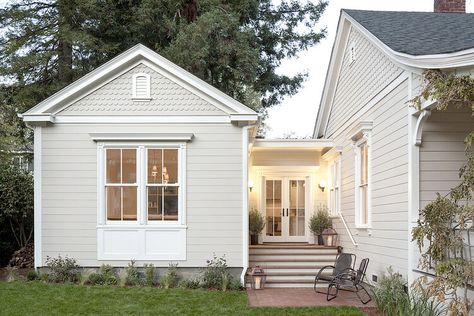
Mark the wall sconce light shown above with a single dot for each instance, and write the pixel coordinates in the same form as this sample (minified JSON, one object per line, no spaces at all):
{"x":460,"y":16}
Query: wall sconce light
{"x":322,"y":185}
{"x":250,"y":185}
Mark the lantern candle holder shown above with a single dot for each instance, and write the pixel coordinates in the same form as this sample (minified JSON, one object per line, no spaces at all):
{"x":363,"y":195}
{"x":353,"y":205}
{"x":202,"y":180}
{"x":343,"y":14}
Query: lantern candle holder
{"x":330,"y":237}
{"x":257,"y":278}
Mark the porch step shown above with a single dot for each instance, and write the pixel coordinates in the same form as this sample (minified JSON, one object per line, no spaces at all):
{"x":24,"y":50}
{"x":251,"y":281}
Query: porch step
{"x":291,"y":265}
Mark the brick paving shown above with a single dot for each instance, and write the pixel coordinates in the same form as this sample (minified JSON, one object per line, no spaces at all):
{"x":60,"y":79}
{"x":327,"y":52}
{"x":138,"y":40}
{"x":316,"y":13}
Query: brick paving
{"x":300,"y":297}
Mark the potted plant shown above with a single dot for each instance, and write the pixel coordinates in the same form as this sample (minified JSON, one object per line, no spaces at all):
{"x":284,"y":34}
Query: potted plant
{"x":319,"y":222}
{"x":256,"y":225}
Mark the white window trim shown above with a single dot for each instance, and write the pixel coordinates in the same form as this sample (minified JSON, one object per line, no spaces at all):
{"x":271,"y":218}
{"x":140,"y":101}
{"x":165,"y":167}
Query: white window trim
{"x":147,"y":97}
{"x":360,"y":137}
{"x":142,"y":218}
{"x":336,"y":208}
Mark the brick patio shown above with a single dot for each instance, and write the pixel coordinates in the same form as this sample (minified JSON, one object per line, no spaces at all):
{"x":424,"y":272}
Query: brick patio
{"x":300,"y":297}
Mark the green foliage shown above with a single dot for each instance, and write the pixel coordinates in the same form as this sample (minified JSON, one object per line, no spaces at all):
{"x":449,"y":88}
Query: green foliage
{"x":32,"y":275}
{"x":132,"y":276}
{"x":170,"y":279}
{"x":95,"y":279}
{"x":216,"y":275}
{"x":320,"y":221}
{"x":105,"y":276}
{"x":189,"y":284}
{"x":149,"y":274}
{"x":62,"y":270}
{"x":256,"y":222}
{"x":392,"y":299}
{"x":11,"y":273}
{"x":16,"y":202}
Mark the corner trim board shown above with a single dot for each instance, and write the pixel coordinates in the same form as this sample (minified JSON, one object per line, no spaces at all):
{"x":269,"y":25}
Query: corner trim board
{"x":37,"y":198}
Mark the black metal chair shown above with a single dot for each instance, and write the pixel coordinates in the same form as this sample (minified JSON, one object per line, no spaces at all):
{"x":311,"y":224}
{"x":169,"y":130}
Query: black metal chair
{"x":350,"y":280}
{"x":344,"y":261}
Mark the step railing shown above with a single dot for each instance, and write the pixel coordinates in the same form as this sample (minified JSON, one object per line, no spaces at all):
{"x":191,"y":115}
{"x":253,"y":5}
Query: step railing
{"x":347,"y":229}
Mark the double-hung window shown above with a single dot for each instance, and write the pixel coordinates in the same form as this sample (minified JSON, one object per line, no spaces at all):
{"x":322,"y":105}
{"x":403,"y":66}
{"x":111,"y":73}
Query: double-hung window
{"x":362,"y":148}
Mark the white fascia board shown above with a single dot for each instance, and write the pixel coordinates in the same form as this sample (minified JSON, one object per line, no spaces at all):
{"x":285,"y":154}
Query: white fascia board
{"x":185,"y":137}
{"x":31,"y":118}
{"x":244,"y":117}
{"x":128,"y":57}
{"x":123,"y":119}
{"x":293,"y":143}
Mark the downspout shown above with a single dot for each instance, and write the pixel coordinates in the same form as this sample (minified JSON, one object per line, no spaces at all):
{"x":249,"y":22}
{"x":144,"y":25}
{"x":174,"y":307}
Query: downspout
{"x":245,"y":201}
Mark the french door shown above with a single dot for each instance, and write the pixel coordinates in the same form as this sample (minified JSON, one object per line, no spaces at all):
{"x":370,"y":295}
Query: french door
{"x":284,"y":203}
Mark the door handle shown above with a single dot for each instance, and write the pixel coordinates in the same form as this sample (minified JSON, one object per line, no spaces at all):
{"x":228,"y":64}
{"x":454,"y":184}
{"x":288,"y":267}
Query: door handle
{"x":282,"y":212}
{"x":286,"y":212}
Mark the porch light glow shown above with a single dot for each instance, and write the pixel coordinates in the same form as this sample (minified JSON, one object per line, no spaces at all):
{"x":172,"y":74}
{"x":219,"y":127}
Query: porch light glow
{"x":250,"y":184}
{"x":322,"y":185}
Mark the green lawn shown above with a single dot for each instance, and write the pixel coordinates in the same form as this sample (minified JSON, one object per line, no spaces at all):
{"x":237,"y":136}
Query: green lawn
{"x":36,"y":298}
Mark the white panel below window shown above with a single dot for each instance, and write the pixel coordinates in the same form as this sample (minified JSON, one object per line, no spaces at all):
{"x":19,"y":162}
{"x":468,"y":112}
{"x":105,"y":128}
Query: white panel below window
{"x":143,"y":243}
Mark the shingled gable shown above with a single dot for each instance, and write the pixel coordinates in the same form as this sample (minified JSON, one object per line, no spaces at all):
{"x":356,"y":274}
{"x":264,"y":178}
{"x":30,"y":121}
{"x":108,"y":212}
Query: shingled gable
{"x":137,"y":55}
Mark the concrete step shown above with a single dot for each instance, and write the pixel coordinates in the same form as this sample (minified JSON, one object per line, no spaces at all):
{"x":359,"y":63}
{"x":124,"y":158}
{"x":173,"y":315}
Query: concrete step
{"x":292,"y":257}
{"x":295,"y":251}
{"x":295,"y":271}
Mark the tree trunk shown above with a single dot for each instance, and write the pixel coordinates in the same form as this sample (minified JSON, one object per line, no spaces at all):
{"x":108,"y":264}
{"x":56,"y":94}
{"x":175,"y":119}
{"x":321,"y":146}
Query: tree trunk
{"x":65,"y":25}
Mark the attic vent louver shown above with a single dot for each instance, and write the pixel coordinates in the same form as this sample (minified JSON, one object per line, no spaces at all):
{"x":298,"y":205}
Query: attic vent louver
{"x":141,"y":86}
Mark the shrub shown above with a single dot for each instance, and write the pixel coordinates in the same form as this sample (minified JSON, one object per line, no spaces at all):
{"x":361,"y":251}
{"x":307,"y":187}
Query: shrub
{"x":392,"y":299}
{"x":256,"y":222}
{"x":215,"y":275}
{"x":95,"y":279}
{"x":132,"y":277}
{"x":110,"y":278}
{"x":235,"y":285}
{"x":62,"y":270}
{"x":320,"y":221}
{"x":32,"y":275}
{"x":11,"y":273}
{"x":189,"y":284}
{"x":170,"y":279}
{"x":149,"y":274}
{"x":44,"y":277}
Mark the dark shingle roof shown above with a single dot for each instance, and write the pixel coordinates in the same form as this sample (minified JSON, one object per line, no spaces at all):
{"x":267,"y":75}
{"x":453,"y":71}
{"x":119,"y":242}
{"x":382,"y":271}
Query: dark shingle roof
{"x":419,"y":33}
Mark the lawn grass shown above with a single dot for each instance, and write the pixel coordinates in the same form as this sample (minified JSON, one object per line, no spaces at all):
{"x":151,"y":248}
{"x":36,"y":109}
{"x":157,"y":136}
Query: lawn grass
{"x":37,"y":298}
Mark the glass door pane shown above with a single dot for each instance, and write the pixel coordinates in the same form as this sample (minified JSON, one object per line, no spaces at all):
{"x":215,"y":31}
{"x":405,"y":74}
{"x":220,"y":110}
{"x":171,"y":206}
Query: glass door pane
{"x":273,"y":207}
{"x":297,"y":207}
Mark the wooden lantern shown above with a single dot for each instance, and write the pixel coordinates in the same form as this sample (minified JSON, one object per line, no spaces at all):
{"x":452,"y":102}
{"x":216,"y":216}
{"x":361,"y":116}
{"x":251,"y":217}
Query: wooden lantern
{"x":257,"y":278}
{"x":330,"y":237}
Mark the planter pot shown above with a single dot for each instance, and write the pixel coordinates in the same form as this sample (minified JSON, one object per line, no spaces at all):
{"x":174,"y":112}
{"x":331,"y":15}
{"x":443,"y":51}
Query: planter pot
{"x":320,"y":240}
{"x":254,"y":239}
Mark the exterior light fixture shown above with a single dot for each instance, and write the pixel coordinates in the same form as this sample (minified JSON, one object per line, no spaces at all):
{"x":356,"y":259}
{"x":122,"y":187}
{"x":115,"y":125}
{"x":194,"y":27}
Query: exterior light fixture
{"x":322,"y":185}
{"x":258,"y":278}
{"x":330,"y":237}
{"x":250,"y":184}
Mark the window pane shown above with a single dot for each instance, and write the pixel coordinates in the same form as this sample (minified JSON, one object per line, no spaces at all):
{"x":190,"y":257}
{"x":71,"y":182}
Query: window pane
{"x":113,"y":165}
{"x":364,"y":163}
{"x":114,"y":198}
{"x":363,"y":205}
{"x":154,"y":165}
{"x":129,"y":166}
{"x":155,"y":203}
{"x":170,"y":166}
{"x":170,"y":203}
{"x":129,"y":203}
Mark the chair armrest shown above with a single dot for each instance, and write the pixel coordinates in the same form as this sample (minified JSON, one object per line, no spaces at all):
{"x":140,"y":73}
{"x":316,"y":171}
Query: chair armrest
{"x":322,"y":269}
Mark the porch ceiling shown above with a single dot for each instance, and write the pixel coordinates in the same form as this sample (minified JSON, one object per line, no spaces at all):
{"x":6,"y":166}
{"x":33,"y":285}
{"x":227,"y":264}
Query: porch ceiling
{"x":292,"y":144}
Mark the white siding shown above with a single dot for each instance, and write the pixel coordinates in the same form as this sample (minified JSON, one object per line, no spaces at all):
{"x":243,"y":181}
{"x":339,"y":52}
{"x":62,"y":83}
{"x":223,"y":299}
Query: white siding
{"x":359,"y":87}
{"x":442,"y":151}
{"x":214,"y":191}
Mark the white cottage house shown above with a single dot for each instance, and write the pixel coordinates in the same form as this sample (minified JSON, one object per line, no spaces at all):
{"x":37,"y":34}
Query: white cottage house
{"x":141,"y":160}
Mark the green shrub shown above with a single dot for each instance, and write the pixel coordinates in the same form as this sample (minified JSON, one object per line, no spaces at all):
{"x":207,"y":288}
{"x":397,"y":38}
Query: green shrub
{"x":256,"y":222}
{"x":63,"y":270}
{"x":32,"y":275}
{"x":189,"y":284}
{"x":43,"y":276}
{"x":215,"y":275}
{"x":170,"y":279}
{"x":149,"y":274}
{"x":235,"y":285}
{"x":392,"y":298}
{"x":320,"y":221}
{"x":95,"y":279}
{"x":110,"y":278}
{"x":132,"y":276}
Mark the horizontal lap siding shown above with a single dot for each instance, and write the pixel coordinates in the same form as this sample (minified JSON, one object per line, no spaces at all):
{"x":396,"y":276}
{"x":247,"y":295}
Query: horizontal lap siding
{"x":442,"y":151}
{"x":358,"y":84}
{"x":214,"y":191}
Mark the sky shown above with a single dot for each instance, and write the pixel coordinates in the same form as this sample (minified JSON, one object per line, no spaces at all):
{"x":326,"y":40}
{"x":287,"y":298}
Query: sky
{"x":297,"y":114}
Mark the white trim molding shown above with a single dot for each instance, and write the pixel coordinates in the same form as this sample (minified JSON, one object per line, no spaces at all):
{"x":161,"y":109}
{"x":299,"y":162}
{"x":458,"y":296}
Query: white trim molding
{"x":38,"y":198}
{"x":182,"y":137}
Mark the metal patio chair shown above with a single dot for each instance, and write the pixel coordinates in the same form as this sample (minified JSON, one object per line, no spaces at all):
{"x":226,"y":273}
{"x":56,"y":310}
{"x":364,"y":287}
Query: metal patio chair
{"x":343,"y":263}
{"x":350,"y":280}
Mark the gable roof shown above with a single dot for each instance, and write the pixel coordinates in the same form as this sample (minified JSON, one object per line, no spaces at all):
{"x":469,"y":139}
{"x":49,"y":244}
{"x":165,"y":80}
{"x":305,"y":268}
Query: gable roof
{"x":43,"y":111}
{"x":419,"y":33}
{"x":406,"y":38}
